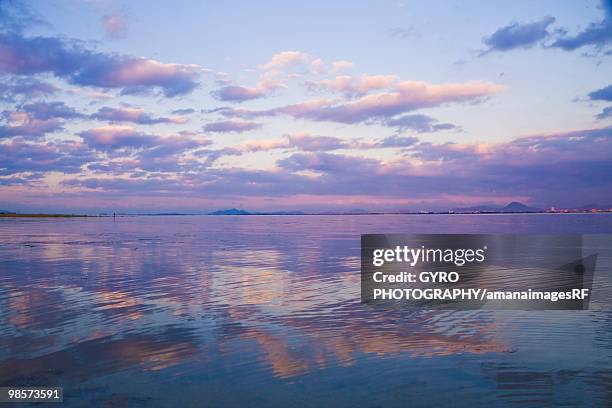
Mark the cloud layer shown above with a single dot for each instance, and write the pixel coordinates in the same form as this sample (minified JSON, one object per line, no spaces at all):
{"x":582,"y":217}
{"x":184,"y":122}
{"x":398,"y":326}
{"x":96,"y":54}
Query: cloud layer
{"x":71,"y":61}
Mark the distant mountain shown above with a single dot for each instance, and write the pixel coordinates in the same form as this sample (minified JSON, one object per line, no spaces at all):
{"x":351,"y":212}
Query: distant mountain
{"x":513,"y":207}
{"x":231,"y":211}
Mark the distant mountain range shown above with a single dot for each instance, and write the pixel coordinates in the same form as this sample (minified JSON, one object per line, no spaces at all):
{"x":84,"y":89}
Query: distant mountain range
{"x":513,"y":207}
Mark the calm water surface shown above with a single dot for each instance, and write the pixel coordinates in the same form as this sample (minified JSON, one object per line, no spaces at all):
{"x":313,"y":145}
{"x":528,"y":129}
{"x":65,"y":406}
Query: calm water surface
{"x":253,"y":311}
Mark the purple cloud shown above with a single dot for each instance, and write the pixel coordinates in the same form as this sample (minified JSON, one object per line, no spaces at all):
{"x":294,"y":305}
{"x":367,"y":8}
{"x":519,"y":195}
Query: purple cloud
{"x":51,"y":110}
{"x":605,"y":113}
{"x":233,"y":93}
{"x":603,"y":94}
{"x":116,"y":137}
{"x":418,"y":123}
{"x":540,"y":167}
{"x":133,"y":115}
{"x":71,"y":61}
{"x":212,"y":155}
{"x":18,"y":156}
{"x":185,"y":111}
{"x":133,"y":151}
{"x":328,"y":163}
{"x":23,"y":124}
{"x":518,"y":35}
{"x":34,"y":120}
{"x":311,"y":143}
{"x":16,"y":16}
{"x":596,"y":34}
{"x":397,"y":141}
{"x":232,"y":125}
{"x":24,"y":87}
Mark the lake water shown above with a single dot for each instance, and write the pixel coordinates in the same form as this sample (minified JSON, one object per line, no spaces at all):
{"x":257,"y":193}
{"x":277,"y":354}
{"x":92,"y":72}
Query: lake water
{"x":264,"y":311}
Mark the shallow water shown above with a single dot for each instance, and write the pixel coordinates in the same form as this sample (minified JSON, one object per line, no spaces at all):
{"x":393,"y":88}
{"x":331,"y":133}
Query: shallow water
{"x":256,"y":311}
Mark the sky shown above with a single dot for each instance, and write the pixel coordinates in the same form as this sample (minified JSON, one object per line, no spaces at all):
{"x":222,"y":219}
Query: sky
{"x":146,"y":106}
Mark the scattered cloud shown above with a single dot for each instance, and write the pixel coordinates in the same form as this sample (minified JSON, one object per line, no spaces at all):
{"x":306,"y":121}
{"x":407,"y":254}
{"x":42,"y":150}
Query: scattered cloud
{"x":112,"y":137}
{"x":231,"y":125}
{"x":16,"y":16}
{"x":23,"y":124}
{"x":283,"y":60}
{"x":121,"y":157}
{"x":71,"y":61}
{"x":35,"y":120}
{"x":233,"y":93}
{"x":27,"y":88}
{"x":603,"y":94}
{"x":418,"y":123}
{"x":115,"y":26}
{"x":51,"y":110}
{"x":539,"y":167}
{"x":397,"y":141}
{"x":287,"y":60}
{"x":518,"y":35}
{"x":212,"y":155}
{"x":148,"y":152}
{"x":185,"y":111}
{"x":338,"y":66}
{"x":303,"y":142}
{"x":403,"y":32}
{"x":350,"y":86}
{"x":134,"y":115}
{"x":328,"y":163}
{"x":596,"y":34}
{"x":405,"y":96}
{"x":606,"y":113}
{"x":313,"y":143}
{"x":526,"y":35}
{"x":19,"y":156}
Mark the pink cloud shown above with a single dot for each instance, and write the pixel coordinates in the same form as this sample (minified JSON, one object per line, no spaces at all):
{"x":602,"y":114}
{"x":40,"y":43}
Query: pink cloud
{"x":337,"y":66}
{"x":115,"y":26}
{"x":235,"y":93}
{"x":351,"y":86}
{"x":403,"y":97}
{"x":27,"y":125}
{"x":302,"y":141}
{"x":285,"y":59}
{"x":116,"y":137}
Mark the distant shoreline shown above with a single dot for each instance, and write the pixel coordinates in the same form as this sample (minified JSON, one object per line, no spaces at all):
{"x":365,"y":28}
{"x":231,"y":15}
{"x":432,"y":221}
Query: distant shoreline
{"x":15,"y":215}
{"x":294,"y":215}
